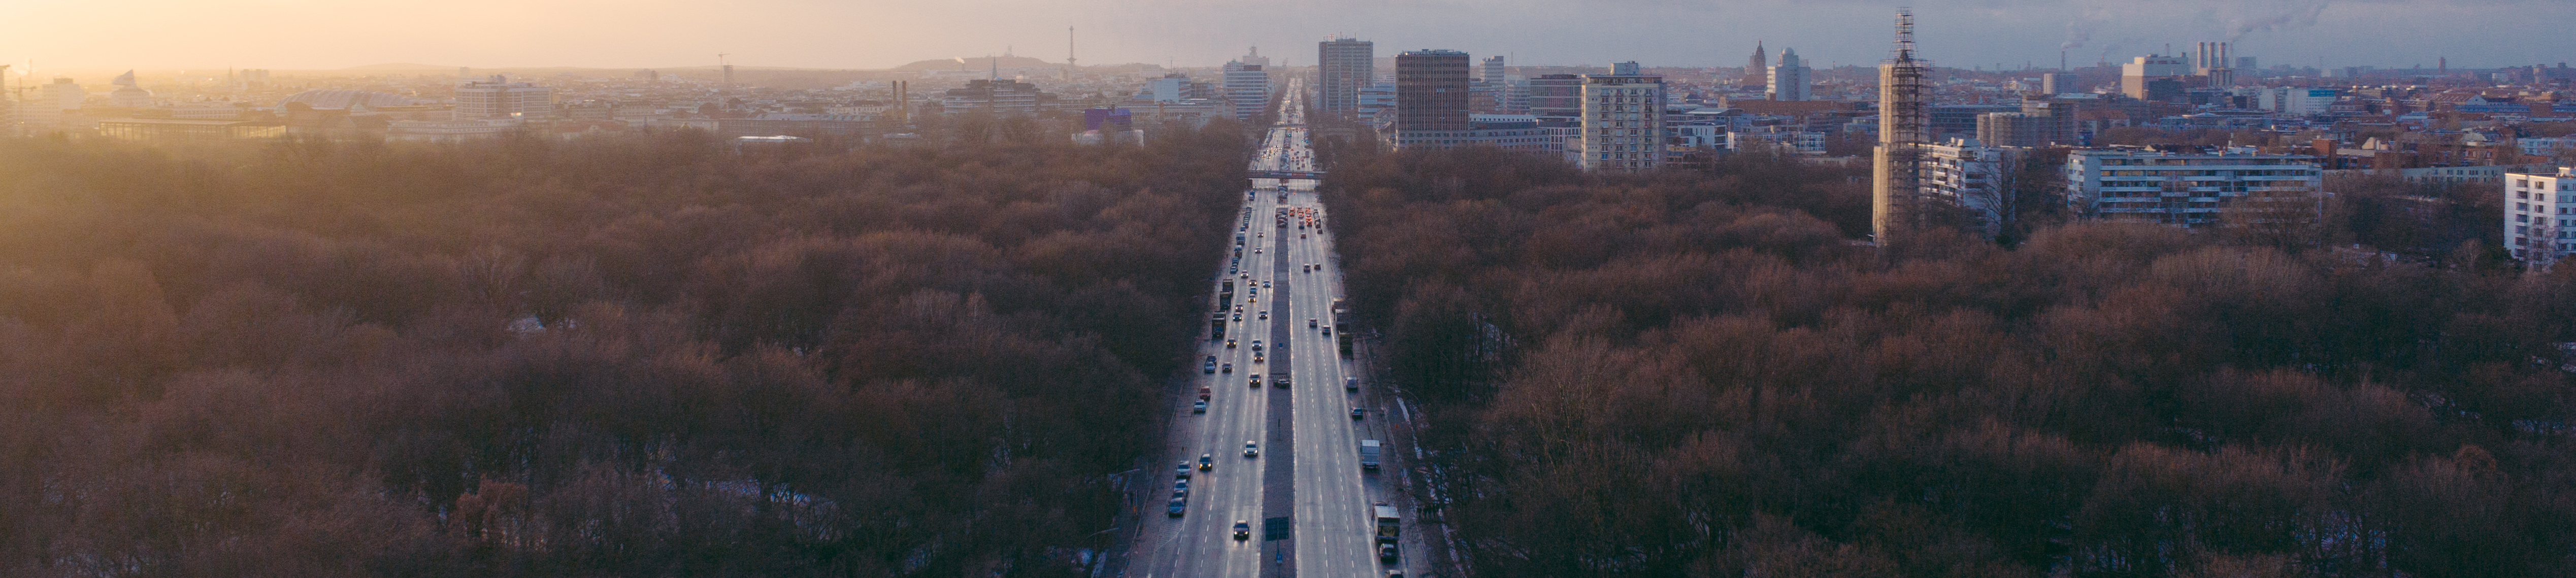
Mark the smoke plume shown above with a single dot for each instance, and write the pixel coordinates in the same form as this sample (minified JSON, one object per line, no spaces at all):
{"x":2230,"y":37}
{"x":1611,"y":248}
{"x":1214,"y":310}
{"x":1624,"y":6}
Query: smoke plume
{"x":2284,"y":16}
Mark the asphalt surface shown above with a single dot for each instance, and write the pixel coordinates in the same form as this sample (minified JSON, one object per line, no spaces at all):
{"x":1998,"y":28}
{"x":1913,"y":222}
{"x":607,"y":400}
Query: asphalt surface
{"x":1309,"y":469}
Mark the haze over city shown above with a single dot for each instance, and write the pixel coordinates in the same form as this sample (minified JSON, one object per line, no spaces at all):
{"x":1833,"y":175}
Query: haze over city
{"x":1322,"y":289}
{"x":318,"y":35}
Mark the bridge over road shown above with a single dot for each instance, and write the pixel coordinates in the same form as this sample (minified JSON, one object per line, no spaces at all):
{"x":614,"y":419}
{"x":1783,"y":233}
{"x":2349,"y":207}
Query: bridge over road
{"x":1286,"y":175}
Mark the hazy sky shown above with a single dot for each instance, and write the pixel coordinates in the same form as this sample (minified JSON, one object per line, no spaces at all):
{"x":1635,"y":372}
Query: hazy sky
{"x":314,"y":34}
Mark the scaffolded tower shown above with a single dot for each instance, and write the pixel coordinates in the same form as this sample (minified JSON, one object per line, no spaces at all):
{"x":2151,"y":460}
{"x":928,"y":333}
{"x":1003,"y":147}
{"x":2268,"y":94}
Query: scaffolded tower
{"x":1896,"y":179}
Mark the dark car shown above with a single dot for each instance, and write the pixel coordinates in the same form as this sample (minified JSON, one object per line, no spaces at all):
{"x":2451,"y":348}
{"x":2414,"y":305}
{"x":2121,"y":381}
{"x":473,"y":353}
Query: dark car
{"x":1242,"y":531}
{"x":1229,"y":344}
{"x":1207,"y":462}
{"x":1176,"y":507}
{"x":1182,"y":471}
{"x":1357,"y":413}
{"x":1386,"y":553}
{"x":1225,"y":368}
{"x":1209,"y":367}
{"x":1199,"y":406}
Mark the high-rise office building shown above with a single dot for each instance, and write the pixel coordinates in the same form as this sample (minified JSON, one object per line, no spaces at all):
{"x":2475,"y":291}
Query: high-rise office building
{"x":1623,"y":119}
{"x":1789,"y":80}
{"x":1343,"y":67}
{"x":1556,"y":95}
{"x":1431,"y":90}
{"x":62,"y":94}
{"x":1247,"y":85}
{"x":1499,"y":94}
{"x":1903,"y":113}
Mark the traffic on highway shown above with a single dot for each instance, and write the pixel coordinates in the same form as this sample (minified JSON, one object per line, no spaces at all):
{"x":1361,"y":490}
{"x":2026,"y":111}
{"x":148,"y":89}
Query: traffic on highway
{"x":1271,"y":480}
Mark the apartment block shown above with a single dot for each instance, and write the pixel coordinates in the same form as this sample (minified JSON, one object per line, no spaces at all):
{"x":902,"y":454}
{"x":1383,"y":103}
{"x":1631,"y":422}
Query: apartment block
{"x":2191,"y":188}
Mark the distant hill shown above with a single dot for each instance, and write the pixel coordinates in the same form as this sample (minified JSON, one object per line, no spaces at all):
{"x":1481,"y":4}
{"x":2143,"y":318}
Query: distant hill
{"x":396,"y":67}
{"x":976,"y":63}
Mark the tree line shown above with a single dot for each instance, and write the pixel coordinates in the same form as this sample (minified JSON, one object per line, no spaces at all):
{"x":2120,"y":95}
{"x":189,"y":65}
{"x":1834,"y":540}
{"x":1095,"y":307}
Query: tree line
{"x":635,"y":356}
{"x":1699,"y":374}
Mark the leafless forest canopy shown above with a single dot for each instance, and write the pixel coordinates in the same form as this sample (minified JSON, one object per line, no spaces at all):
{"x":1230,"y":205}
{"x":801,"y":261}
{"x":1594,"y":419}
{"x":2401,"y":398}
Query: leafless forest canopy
{"x":315,"y":359}
{"x":1693,"y":374}
{"x":298,"y":359}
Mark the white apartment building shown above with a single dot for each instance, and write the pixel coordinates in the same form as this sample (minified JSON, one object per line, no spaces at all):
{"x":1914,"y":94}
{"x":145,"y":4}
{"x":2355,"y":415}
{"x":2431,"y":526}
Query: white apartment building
{"x":500,"y":98}
{"x":1782,"y":138}
{"x":1623,"y":120}
{"x":2293,"y":100}
{"x":1973,"y":175}
{"x":2540,"y":215}
{"x":2546,"y":146}
{"x":2188,"y":189}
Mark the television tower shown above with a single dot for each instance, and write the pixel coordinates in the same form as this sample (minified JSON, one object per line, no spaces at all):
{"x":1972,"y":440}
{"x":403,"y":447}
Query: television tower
{"x":1896,"y":191}
{"x":1068,"y":53}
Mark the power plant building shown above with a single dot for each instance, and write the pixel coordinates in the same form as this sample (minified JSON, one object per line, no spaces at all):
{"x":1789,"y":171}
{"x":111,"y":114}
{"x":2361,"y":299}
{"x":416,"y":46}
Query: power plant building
{"x":2154,"y":77}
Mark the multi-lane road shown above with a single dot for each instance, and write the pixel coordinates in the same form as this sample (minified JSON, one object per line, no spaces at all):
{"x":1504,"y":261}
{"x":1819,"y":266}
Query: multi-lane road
{"x":1308,"y":473}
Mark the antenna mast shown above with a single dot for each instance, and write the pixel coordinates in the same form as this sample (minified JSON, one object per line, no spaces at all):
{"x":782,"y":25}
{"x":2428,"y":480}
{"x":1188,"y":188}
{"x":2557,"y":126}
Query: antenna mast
{"x":1068,"y":53}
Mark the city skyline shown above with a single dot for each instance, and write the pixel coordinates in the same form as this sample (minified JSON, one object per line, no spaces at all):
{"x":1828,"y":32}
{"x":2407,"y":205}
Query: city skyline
{"x":162,"y":35}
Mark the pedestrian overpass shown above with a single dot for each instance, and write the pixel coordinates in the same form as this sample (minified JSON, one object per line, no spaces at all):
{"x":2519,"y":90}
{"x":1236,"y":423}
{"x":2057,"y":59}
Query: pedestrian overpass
{"x":1286,"y":175}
